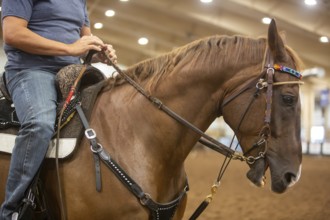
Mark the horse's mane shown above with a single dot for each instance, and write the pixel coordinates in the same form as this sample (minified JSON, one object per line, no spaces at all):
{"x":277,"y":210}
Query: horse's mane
{"x":215,"y":50}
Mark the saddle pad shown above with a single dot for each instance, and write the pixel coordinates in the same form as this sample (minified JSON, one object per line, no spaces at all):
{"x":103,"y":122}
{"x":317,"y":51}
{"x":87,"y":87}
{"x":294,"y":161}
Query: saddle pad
{"x":66,"y":145}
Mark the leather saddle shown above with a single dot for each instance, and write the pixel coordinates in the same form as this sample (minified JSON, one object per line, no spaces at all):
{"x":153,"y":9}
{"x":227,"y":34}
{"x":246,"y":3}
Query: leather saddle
{"x":90,"y":84}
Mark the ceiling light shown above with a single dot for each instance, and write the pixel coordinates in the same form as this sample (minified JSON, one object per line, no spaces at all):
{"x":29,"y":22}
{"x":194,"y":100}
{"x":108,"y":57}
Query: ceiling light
{"x":206,"y":1}
{"x":110,"y":13}
{"x":124,"y":0}
{"x":310,"y":2}
{"x":266,"y":20}
{"x":98,"y":25}
{"x":143,"y":41}
{"x":324,"y":39}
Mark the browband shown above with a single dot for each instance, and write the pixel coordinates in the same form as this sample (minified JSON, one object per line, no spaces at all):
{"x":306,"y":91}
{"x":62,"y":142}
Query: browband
{"x":285,"y":69}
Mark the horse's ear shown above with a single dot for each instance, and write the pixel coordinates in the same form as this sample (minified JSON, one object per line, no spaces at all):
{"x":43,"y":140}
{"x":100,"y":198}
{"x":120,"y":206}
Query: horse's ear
{"x":283,"y":36}
{"x":275,"y":42}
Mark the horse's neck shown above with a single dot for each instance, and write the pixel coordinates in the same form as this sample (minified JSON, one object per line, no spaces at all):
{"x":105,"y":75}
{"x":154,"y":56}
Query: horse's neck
{"x":128,"y":118}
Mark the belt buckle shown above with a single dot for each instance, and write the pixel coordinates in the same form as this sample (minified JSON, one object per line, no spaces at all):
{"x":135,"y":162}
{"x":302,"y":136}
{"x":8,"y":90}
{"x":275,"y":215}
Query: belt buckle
{"x":90,"y":133}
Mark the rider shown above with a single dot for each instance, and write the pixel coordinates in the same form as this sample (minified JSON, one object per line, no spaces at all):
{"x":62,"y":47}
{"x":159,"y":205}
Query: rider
{"x":40,"y":37}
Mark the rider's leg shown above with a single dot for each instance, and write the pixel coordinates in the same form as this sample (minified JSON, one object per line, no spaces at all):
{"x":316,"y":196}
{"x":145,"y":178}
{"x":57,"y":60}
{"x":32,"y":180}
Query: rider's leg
{"x":34,"y":96}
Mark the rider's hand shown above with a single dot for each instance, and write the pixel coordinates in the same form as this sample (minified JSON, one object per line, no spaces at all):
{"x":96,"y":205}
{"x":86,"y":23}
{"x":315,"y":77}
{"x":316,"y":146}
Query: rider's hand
{"x":85,"y":44}
{"x":110,"y":52}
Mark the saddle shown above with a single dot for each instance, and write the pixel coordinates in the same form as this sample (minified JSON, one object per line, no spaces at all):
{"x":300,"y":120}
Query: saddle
{"x":90,"y":84}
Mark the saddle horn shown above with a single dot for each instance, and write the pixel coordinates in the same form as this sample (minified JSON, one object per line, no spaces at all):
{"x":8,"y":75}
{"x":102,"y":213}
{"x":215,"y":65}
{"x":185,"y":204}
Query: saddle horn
{"x":88,"y":58}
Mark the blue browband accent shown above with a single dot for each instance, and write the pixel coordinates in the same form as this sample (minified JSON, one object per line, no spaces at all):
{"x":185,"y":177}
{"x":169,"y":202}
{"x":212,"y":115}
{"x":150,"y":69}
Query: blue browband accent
{"x":288,"y":70}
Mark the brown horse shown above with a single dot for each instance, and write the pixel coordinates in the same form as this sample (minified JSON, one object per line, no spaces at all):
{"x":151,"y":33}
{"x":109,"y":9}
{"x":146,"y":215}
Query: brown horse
{"x":200,"y":81}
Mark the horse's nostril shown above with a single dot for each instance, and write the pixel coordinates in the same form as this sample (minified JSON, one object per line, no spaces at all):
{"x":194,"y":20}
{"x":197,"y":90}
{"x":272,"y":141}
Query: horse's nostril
{"x":289,"y":177}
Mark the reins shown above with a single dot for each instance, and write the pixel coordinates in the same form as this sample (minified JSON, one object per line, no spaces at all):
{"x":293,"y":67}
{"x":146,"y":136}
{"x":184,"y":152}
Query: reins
{"x":205,"y":139}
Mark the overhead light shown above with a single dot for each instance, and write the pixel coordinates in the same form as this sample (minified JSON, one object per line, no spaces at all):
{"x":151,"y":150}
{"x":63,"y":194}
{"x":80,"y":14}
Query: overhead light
{"x":143,"y":41}
{"x":206,"y":1}
{"x":310,"y":2}
{"x":124,"y":0}
{"x":266,"y":20}
{"x":110,"y":13}
{"x":324,"y":39}
{"x":98,"y":25}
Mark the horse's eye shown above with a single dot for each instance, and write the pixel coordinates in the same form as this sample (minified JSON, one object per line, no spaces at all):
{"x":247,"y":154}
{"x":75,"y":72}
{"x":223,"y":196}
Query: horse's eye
{"x":288,"y":99}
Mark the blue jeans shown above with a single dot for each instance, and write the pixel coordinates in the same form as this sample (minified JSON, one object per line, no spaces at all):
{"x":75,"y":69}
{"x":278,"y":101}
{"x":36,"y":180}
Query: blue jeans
{"x":34,"y":95}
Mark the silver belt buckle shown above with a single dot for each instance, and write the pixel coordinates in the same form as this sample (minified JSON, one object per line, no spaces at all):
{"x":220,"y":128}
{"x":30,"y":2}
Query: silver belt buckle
{"x":90,"y":133}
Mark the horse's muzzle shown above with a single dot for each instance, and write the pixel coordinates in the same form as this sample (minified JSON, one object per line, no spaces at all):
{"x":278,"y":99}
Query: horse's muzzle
{"x":288,"y":179}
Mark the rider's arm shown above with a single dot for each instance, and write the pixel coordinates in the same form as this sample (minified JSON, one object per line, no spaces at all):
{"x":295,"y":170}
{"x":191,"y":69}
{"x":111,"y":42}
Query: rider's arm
{"x":16,"y":34}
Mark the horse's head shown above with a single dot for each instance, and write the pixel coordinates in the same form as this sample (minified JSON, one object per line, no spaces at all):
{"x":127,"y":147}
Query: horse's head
{"x":268,"y":126}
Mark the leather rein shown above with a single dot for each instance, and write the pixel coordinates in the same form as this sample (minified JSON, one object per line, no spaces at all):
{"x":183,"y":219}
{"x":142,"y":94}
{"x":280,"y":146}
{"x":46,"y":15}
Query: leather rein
{"x":207,"y":140}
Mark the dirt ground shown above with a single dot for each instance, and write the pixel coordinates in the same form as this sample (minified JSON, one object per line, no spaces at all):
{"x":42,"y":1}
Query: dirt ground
{"x":238,"y":199}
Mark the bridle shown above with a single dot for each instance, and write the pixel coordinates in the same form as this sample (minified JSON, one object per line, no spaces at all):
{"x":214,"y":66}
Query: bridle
{"x":265,"y":80}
